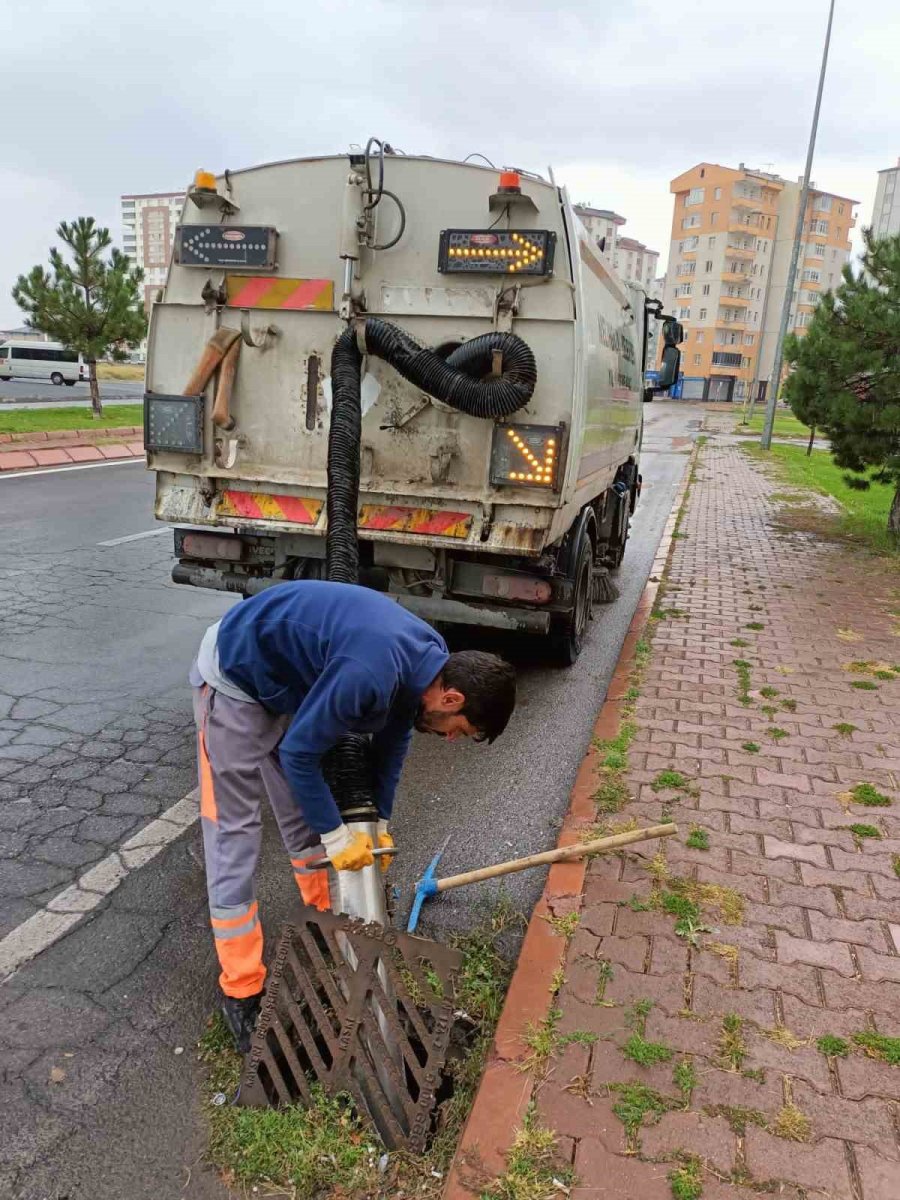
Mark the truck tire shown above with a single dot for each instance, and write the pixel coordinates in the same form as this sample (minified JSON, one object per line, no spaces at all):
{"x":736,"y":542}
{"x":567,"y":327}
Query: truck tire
{"x":567,"y":638}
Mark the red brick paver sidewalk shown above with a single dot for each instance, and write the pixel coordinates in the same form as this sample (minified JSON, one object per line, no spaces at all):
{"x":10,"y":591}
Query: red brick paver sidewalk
{"x":708,"y":976}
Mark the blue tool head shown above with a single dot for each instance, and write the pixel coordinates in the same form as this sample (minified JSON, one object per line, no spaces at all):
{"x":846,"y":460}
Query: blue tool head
{"x":425,"y":888}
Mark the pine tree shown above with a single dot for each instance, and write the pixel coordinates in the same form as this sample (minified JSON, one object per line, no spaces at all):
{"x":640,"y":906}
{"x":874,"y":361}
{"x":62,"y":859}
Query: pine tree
{"x":93,"y":304}
{"x":846,"y":376}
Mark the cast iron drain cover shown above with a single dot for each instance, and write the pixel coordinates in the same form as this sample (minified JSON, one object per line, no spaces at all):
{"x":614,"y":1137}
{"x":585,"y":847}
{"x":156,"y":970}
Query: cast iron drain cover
{"x":356,"y":1008}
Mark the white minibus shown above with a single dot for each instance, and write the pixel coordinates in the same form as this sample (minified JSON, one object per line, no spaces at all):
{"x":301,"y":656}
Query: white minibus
{"x":41,"y":360}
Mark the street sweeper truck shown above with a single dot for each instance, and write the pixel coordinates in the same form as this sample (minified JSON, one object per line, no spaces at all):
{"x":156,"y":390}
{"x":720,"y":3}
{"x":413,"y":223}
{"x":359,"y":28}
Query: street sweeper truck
{"x":480,"y":361}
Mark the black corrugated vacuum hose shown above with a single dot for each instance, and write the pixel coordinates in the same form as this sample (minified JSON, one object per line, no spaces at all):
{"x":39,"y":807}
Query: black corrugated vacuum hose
{"x":464,"y":380}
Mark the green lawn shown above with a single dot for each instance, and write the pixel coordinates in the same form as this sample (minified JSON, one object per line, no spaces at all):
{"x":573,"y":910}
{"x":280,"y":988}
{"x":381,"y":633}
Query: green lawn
{"x":865,"y":513}
{"x":786,"y":425}
{"x":35,"y":420}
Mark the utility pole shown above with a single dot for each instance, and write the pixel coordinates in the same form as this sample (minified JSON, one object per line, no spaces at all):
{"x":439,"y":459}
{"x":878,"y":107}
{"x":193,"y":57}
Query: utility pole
{"x":772,"y":397}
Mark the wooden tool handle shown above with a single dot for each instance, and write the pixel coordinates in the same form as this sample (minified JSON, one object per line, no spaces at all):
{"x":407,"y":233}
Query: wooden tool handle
{"x":221,"y":415}
{"x":562,"y":854}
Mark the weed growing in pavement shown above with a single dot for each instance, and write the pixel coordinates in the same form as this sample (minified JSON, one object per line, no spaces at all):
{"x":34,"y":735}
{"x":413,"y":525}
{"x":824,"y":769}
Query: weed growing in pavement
{"x":844,"y":728}
{"x":884,"y":675}
{"x":686,"y":1181}
{"x":784,"y":1037}
{"x":834,"y":1047}
{"x":789,"y":705}
{"x":564,"y":925}
{"x":864,"y":831}
{"x":895,"y":864}
{"x":542,"y":1040}
{"x":738,"y":642}
{"x":743,"y":672}
{"x":876,"y":1045}
{"x":776,"y":734}
{"x":769,"y":710}
{"x":755,"y":626}
{"x":637,"y":1105}
{"x":792,"y":1124}
{"x":731,"y":1045}
{"x":534,"y":1168}
{"x":750,"y":747}
{"x":757,"y":1074}
{"x":697,"y":839}
{"x":637,"y":1048}
{"x":670,"y":781}
{"x":869,"y":796}
{"x":864,"y":685}
{"x":738,"y":1118}
{"x":604,"y":978}
{"x":755,"y":607}
{"x":768,"y":692}
{"x":685,"y":1079}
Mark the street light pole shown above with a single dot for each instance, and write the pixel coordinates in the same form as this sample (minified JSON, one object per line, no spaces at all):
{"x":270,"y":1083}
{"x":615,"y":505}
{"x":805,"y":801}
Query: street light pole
{"x":772,"y":397}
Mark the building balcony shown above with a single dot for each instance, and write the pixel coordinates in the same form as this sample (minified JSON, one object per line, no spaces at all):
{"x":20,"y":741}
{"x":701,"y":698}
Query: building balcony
{"x":735,"y":277}
{"x":745,"y":204}
{"x":686,"y":269}
{"x":733,"y":301}
{"x":744,"y":227}
{"x":737,"y":326}
{"x":742,"y":252}
{"x":811,"y":284}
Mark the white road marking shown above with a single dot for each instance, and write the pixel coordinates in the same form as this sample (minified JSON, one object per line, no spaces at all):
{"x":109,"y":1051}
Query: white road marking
{"x":136,"y":537}
{"x":67,"y":908}
{"x":109,"y":462}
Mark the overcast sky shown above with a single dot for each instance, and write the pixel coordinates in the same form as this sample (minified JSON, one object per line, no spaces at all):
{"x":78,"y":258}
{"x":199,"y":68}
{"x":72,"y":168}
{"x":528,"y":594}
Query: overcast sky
{"x":99,"y":98}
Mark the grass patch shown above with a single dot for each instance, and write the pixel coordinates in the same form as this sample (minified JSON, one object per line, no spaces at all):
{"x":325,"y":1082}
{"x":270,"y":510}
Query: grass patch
{"x":684,"y":1078}
{"x":792,"y":1124}
{"x":833,"y":1047}
{"x":876,"y":1045}
{"x":869,"y":796}
{"x":534,"y":1169}
{"x":864,"y":831}
{"x":731,"y":1045}
{"x":686,"y":1181}
{"x":756,"y":626}
{"x":738,"y":642}
{"x":738,"y":1118}
{"x":750,"y":747}
{"x":845,"y":729}
{"x":120,"y":371}
{"x":776,"y":734}
{"x":743,"y":672}
{"x":564,"y":925}
{"x":895,"y":864}
{"x":783,"y":1036}
{"x":768,"y":692}
{"x":864,"y":516}
{"x":864,"y":685}
{"x":637,"y":1105}
{"x":49,"y":420}
{"x":789,"y":705}
{"x":644,"y":1053}
{"x":785,"y":425}
{"x":670,"y":780}
{"x":697,"y":839}
{"x":604,"y":977}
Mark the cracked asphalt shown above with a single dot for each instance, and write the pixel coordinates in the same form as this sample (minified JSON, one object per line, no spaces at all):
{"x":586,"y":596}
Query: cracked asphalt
{"x":99,"y":1092}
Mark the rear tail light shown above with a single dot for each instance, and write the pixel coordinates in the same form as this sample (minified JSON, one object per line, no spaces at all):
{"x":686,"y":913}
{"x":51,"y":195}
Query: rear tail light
{"x":511,"y":587}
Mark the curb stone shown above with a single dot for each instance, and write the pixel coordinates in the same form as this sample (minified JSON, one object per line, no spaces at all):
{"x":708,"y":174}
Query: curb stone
{"x":505,"y":1090}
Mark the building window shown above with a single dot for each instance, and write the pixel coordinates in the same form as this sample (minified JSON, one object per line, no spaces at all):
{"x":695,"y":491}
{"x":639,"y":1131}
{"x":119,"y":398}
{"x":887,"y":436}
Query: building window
{"x":697,"y":360}
{"x":717,"y":194}
{"x":702,"y":314}
{"x":840,"y":209}
{"x":690,"y":222}
{"x":684,"y":314}
{"x":819,"y":227}
{"x":713,"y":218}
{"x":694,"y":196}
{"x":712,"y":241}
{"x":708,"y":266}
{"x":749,"y":339}
{"x":706,"y":289}
{"x":700,"y":335}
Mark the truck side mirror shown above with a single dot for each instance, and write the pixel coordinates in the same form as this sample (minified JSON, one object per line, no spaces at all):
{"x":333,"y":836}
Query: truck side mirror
{"x":669,"y":367}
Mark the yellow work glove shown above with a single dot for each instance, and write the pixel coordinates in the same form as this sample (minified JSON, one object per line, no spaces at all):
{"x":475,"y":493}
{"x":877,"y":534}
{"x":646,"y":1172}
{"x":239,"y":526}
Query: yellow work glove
{"x":385,"y":841}
{"x":348,"y":851}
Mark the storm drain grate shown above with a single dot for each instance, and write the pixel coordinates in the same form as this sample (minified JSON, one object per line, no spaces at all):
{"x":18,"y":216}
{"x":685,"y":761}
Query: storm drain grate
{"x":357,"y":1008}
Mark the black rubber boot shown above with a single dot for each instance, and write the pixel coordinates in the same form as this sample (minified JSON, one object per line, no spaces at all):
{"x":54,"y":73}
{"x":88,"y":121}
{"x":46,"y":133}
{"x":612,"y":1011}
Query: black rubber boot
{"x":240,"y":1017}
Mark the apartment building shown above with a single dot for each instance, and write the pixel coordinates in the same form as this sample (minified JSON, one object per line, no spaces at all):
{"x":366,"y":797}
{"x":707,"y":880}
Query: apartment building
{"x":603,"y":225}
{"x":633,"y":260}
{"x":148,"y":231}
{"x":732,"y":232}
{"x":886,"y":213}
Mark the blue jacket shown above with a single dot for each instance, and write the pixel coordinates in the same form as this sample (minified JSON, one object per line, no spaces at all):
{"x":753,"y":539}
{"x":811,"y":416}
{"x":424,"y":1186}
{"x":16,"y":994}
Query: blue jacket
{"x":341,"y":659}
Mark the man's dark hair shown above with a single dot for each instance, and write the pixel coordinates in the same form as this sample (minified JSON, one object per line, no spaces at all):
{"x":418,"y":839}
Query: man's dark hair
{"x":489,"y":686}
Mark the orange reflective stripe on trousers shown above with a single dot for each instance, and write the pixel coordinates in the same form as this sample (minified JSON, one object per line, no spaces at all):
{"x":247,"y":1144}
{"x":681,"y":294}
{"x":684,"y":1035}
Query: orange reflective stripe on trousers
{"x":314,"y":886}
{"x":239,"y":944}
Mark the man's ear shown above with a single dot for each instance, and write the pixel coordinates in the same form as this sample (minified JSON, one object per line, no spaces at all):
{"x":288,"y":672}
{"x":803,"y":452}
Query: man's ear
{"x":452,"y":700}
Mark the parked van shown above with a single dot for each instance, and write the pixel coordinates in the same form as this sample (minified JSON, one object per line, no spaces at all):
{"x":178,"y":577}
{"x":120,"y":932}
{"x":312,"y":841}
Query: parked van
{"x":42,"y":360}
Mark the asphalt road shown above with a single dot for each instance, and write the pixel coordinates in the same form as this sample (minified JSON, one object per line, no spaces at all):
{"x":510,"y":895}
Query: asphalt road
{"x":27,"y":393}
{"x":96,"y":739}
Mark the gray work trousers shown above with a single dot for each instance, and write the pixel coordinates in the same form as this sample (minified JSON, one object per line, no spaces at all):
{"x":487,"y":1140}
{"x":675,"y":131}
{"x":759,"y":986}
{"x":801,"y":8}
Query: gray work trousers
{"x":237,"y":758}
